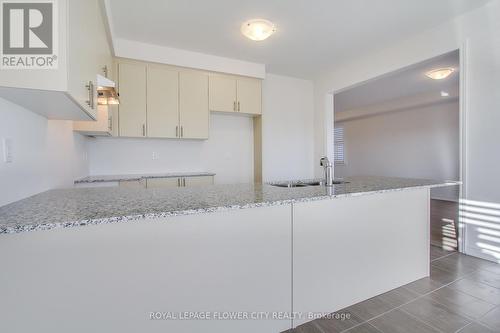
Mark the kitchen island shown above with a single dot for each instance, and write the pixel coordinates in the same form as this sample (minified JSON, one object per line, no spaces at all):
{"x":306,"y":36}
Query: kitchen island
{"x":221,"y":258}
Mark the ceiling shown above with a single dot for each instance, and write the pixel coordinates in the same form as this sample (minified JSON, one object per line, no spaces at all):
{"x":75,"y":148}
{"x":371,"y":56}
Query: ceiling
{"x":410,"y":81}
{"x":311,"y":34}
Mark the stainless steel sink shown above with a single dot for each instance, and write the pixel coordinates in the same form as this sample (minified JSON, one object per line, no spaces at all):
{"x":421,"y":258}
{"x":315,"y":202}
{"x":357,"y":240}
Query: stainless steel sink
{"x":290,"y":185}
{"x":307,"y":183}
{"x":314,"y":183}
{"x":335,"y":182}
{"x":317,"y":183}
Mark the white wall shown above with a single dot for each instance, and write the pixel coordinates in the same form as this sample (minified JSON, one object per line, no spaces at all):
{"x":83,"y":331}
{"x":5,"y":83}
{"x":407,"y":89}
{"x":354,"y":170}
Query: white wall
{"x":228,"y":152}
{"x":477,"y":29}
{"x":287,"y":128}
{"x":46,"y":153}
{"x":177,"y":57}
{"x":416,"y":143}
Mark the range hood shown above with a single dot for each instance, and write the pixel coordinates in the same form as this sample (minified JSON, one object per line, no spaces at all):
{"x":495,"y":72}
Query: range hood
{"x":106,"y":91}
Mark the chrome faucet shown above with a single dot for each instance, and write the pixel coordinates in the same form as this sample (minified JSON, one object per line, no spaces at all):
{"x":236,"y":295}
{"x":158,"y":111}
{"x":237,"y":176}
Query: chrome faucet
{"x":327,"y":165}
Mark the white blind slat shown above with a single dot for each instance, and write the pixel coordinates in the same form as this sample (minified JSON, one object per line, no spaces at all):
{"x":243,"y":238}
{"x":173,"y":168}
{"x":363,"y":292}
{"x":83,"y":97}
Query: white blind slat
{"x":338,"y":149}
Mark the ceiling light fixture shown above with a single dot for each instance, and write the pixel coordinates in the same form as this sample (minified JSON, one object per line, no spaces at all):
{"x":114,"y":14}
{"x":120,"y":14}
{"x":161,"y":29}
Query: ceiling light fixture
{"x":444,"y":94}
{"x":257,"y":29}
{"x":440,"y":73}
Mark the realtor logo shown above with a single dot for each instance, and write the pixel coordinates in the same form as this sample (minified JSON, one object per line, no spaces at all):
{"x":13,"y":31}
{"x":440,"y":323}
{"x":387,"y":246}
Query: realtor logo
{"x":28,"y":35}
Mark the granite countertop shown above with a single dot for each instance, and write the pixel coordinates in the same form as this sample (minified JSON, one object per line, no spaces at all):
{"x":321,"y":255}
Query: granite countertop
{"x":130,"y":177}
{"x":64,"y":208}
{"x":449,"y":193}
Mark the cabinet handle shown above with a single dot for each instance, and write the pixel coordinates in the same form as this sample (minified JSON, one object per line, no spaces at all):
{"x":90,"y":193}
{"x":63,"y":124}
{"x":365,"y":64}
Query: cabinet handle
{"x":238,"y":106}
{"x":184,"y":182}
{"x":177,"y":131}
{"x":178,"y":182}
{"x":143,"y":129}
{"x":110,"y":123}
{"x":90,"y":89}
{"x":182,"y":131}
{"x":234,"y":106}
{"x":105,"y":70}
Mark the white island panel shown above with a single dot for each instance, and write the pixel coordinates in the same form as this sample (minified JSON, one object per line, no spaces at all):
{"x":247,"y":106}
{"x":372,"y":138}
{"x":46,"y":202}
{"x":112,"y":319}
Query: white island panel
{"x":350,"y":249}
{"x":110,"y":277}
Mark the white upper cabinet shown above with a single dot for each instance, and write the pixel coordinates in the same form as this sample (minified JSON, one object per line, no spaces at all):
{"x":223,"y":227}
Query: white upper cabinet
{"x":162,"y":102}
{"x":132,"y":108}
{"x":82,"y":52}
{"x":88,"y":51}
{"x":235,"y":94}
{"x":222,"y":93}
{"x":194,"y":114}
{"x":249,"y":96}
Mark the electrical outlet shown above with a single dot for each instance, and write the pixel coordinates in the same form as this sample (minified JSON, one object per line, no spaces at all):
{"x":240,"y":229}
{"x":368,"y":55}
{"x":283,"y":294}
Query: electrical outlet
{"x":155,"y":155}
{"x":7,"y":150}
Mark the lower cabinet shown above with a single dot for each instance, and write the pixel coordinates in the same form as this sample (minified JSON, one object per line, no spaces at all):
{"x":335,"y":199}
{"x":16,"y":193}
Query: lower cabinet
{"x":131,"y":183}
{"x":178,"y":182}
{"x":162,"y":182}
{"x":198,"y":181}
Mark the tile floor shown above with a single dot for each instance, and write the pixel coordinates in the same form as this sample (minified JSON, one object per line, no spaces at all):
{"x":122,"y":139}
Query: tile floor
{"x":462,"y":295}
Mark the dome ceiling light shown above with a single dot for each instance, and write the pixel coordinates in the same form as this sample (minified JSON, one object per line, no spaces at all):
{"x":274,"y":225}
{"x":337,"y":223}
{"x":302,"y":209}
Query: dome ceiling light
{"x":440,"y":73}
{"x":258,"y":29}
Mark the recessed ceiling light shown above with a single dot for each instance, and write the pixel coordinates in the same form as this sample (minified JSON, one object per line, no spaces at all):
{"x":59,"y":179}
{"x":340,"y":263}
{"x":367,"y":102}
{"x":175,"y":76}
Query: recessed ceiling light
{"x":440,"y":73}
{"x":444,"y":94}
{"x":257,"y":29}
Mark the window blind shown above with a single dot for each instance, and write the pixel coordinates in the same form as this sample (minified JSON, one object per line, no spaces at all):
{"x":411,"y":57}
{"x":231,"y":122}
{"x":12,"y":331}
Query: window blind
{"x":338,"y":148}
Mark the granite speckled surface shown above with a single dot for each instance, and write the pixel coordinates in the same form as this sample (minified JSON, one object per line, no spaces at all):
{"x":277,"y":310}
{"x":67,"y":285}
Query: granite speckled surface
{"x":64,"y":208}
{"x":117,"y":178}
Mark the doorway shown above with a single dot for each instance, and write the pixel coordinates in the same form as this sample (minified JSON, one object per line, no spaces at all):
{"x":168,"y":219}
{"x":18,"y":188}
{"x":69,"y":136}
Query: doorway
{"x":407,"y":124}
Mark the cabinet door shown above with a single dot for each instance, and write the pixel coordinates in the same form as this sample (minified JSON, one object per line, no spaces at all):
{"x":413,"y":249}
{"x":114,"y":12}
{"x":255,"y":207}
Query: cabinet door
{"x":193,"y":106}
{"x":162,"y":102}
{"x":249,"y":96}
{"x":132,"y":108}
{"x":88,"y":50}
{"x":222,"y":91}
{"x":113,"y":112}
{"x":198,"y":181}
{"x":162,"y":182}
{"x":131,"y":183}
